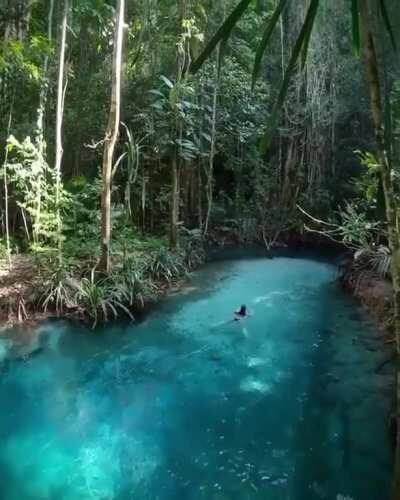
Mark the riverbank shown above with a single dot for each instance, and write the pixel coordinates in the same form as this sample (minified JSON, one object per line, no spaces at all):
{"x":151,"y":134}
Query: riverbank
{"x":372,"y":290}
{"x":36,"y":286}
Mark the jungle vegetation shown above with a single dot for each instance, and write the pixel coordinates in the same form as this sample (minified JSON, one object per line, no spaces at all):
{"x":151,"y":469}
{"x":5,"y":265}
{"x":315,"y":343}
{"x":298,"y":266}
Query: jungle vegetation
{"x":135,"y":133}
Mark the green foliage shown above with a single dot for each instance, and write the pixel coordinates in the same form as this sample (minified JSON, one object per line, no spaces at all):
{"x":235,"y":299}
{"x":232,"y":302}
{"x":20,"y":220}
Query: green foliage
{"x":381,"y":261}
{"x":33,"y":189}
{"x":58,"y":290}
{"x":176,"y":111}
{"x":166,"y":266}
{"x":100,"y":299}
{"x":3,"y":249}
{"x":266,"y":39}
{"x":193,"y":247}
{"x":23,"y":60}
{"x":357,"y":230}
{"x":131,"y":285}
{"x":210,"y":121}
{"x":222,"y":34}
{"x":142,"y":268}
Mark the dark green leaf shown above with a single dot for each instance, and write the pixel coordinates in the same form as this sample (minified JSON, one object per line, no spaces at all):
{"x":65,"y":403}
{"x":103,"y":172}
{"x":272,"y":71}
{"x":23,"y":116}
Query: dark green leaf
{"x":222,"y":34}
{"x":387,"y":22}
{"x":304,"y":34}
{"x":265,"y":39}
{"x":355,"y":23}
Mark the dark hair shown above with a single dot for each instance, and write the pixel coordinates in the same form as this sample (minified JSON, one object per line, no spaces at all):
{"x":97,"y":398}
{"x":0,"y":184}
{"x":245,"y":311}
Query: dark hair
{"x":242,"y":309}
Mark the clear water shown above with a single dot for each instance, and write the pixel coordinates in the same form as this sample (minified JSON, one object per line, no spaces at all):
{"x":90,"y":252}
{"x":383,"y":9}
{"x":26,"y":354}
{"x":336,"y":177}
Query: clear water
{"x":283,"y":406}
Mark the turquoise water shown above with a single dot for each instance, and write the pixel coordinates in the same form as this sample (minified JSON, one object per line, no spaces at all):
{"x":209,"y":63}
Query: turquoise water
{"x":286,"y":405}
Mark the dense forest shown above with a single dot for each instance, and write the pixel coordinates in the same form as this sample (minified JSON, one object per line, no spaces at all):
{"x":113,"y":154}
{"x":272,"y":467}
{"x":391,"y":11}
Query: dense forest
{"x":135,"y":134}
{"x":139,"y":139}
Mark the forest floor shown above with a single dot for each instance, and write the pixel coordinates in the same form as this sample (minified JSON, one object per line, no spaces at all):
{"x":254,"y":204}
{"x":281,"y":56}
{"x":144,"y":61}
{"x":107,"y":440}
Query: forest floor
{"x":17,"y":282}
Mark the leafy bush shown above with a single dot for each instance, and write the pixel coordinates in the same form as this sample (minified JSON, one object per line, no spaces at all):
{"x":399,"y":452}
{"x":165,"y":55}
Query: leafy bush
{"x":99,"y":299}
{"x":193,"y":247}
{"x":3,"y":249}
{"x":165,"y":266}
{"x":379,"y":259}
{"x":130,"y":286}
{"x":58,"y":291}
{"x":357,"y":230}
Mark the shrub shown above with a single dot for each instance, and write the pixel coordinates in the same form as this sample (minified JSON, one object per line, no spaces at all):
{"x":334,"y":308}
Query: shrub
{"x":99,"y":299}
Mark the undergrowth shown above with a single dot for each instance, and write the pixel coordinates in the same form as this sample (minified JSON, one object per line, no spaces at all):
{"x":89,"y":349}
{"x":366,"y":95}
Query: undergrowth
{"x":143,"y":268}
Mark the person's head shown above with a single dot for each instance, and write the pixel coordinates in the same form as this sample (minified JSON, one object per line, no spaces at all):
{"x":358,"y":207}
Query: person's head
{"x":242,"y":309}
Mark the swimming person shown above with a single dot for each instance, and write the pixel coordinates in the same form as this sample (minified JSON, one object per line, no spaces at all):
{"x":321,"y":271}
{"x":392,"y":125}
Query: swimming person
{"x":241,"y":313}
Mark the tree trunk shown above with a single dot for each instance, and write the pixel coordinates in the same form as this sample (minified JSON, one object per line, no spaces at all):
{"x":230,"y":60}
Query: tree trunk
{"x":199,"y":198}
{"x":173,"y":237}
{"x":371,"y":63}
{"x":5,"y":179}
{"x":40,"y":143}
{"x":210,"y":172}
{"x":111,"y":139}
{"x":143,"y":202}
{"x":59,"y":120}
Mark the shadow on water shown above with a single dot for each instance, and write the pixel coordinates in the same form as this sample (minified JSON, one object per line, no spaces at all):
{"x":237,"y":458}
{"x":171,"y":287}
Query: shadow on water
{"x":328,"y":434}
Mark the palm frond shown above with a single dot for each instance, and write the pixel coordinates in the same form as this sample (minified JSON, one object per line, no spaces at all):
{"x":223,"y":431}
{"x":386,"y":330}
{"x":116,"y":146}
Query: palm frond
{"x":265,"y":39}
{"x":303,"y":37}
{"x":222,"y":34}
{"x":388,"y":24}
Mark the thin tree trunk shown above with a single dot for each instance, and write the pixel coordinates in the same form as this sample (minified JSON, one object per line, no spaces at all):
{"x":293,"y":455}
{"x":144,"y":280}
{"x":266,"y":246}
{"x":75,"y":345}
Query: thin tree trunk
{"x":5,"y":178}
{"x":199,"y":198}
{"x":40,"y":143}
{"x":143,"y":202}
{"x":173,"y":238}
{"x":182,"y":65}
{"x":210,"y":172}
{"x":59,"y":122}
{"x":111,"y":139}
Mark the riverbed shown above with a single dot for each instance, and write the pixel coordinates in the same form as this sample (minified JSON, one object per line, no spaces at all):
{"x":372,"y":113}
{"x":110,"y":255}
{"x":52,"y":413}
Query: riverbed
{"x":290,"y":404}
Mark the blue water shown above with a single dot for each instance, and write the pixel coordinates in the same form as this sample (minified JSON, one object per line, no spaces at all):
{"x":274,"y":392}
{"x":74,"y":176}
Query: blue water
{"x":283,"y":406}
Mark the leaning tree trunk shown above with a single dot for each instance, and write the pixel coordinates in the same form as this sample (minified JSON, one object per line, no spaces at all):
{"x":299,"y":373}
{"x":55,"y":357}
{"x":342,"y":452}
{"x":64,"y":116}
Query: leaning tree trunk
{"x":111,"y":138}
{"x":59,"y":121}
{"x":371,"y":63}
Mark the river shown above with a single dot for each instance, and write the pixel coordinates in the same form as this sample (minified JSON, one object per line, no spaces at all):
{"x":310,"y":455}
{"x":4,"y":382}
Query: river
{"x":286,"y":405}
